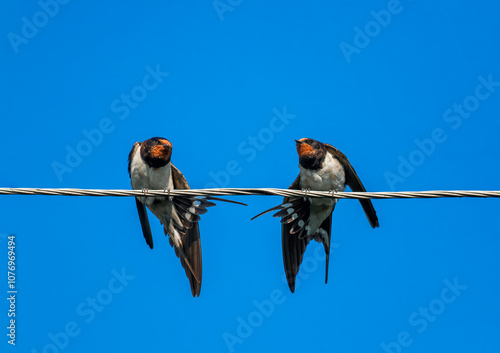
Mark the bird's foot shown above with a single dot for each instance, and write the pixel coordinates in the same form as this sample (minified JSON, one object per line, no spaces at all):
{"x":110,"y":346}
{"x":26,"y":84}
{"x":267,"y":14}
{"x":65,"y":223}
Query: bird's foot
{"x":170,"y":198}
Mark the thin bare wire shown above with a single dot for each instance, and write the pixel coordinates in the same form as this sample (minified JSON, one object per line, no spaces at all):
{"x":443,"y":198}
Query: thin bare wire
{"x":252,"y":191}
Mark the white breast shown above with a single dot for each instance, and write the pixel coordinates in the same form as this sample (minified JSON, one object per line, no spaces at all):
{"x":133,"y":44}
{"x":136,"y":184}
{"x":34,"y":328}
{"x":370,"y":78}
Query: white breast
{"x":144,"y":177}
{"x":330,"y":177}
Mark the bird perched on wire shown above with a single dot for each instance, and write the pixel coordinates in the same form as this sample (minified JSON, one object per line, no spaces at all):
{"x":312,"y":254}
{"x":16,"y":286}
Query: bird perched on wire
{"x":150,"y":167}
{"x":322,"y":168}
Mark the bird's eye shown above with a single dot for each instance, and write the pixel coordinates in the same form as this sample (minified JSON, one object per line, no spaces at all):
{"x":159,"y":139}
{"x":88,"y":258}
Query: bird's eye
{"x":309,"y":141}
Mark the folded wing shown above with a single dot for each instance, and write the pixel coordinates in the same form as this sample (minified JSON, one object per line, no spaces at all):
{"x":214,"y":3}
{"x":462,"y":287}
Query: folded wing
{"x":352,"y":180}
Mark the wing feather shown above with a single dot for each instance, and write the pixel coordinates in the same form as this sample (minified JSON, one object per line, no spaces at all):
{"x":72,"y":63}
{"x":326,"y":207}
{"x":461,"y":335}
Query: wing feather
{"x":143,"y":217}
{"x":293,"y":244}
{"x":326,"y":230}
{"x":353,"y":181}
{"x":190,"y":247}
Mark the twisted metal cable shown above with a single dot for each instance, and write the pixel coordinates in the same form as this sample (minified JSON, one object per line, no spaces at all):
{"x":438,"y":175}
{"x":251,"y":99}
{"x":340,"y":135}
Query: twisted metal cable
{"x":252,"y":191}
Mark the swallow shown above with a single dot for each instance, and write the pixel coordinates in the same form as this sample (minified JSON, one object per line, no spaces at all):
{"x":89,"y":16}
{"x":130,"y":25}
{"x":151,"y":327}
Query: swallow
{"x":322,"y":168}
{"x":150,"y":167}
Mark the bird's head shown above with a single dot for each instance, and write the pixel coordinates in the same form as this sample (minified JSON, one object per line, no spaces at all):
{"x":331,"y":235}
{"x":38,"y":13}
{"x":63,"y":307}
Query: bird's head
{"x":311,"y":153}
{"x":156,"y":151}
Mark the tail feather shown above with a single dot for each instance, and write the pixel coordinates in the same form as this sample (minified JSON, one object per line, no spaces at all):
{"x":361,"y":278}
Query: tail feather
{"x":188,"y":251}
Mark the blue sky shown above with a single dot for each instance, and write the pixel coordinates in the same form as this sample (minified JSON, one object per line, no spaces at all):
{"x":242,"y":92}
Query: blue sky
{"x":409,"y":91}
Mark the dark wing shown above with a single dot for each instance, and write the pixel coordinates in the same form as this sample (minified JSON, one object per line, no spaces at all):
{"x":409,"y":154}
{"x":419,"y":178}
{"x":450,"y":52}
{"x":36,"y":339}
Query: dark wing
{"x":189,"y":209}
{"x":141,"y":208}
{"x":143,"y":217}
{"x":352,"y":180}
{"x":192,"y":250}
{"x":326,"y":229}
{"x":293,"y":239}
{"x":294,"y":213}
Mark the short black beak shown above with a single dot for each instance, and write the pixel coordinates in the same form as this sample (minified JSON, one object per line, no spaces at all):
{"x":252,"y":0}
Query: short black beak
{"x":298,"y":142}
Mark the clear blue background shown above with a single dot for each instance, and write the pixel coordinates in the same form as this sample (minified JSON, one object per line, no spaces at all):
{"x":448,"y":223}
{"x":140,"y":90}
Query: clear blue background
{"x":229,"y":72}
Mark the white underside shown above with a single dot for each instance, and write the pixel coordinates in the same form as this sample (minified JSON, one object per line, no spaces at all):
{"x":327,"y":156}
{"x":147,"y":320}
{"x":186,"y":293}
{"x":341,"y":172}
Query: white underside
{"x":144,"y":177}
{"x":330,"y":177}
